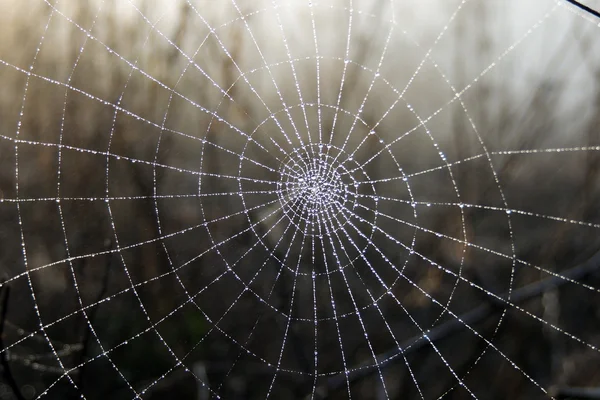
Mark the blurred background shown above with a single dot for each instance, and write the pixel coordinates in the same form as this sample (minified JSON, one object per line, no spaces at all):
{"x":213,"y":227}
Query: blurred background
{"x":151,"y":153}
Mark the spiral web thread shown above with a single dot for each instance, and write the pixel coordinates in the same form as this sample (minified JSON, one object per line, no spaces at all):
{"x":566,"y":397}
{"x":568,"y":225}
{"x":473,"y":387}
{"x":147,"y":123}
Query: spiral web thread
{"x":312,"y":224}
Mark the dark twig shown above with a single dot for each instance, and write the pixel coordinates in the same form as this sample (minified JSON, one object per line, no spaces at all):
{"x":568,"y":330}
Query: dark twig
{"x":575,"y":393}
{"x":478,"y":314}
{"x":85,"y":341}
{"x":297,"y":343}
{"x":6,"y":371}
{"x":585,"y":8}
{"x":475,"y":354}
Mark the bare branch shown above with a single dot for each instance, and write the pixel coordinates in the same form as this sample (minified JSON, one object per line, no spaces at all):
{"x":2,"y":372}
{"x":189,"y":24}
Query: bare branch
{"x":585,"y":8}
{"x":6,"y":371}
{"x":575,"y":393}
{"x":478,"y":314}
{"x":85,"y":340}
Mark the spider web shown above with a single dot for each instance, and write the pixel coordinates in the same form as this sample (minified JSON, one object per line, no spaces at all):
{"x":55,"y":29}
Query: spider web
{"x":298,"y":199}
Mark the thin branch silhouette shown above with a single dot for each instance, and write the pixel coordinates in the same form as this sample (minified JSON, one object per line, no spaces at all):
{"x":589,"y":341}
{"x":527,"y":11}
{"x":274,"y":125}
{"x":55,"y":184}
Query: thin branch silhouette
{"x":478,"y":314}
{"x":87,"y":333}
{"x":585,"y":8}
{"x":6,"y":371}
{"x":576,"y":393}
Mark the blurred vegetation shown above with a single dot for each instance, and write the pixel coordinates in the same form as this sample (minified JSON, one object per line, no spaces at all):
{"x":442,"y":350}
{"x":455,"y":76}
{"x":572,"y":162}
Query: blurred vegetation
{"x":114,"y":100}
